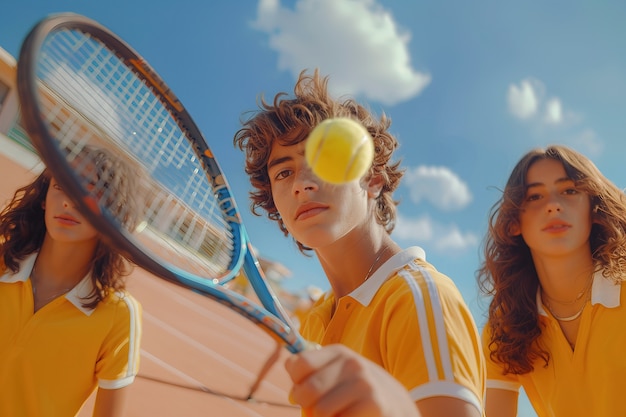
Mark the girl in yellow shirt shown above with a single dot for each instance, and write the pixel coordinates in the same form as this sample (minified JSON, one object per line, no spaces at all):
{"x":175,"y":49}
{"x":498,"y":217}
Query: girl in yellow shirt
{"x":72,"y":328}
{"x":554,"y":266}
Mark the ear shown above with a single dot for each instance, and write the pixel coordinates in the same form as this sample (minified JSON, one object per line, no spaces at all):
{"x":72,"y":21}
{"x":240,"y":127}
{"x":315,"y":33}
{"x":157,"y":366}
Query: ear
{"x":43,"y":205}
{"x":515,"y":229}
{"x":594,"y":214}
{"x":374,"y":186}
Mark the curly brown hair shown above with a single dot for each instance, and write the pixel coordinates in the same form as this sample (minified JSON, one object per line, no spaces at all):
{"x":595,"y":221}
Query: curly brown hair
{"x":290,"y":120}
{"x":508,"y":274}
{"x":22,"y":232}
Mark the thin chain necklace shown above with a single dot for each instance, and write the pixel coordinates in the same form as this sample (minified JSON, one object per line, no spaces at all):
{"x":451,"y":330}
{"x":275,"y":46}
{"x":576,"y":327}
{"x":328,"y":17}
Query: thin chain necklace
{"x":367,"y":276}
{"x":568,"y":318}
{"x":578,"y":297}
{"x":33,"y":277}
{"x":49,"y":297}
{"x":374,"y":263}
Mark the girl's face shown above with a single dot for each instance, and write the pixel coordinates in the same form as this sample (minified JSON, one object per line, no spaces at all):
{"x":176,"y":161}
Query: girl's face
{"x":555,"y":219}
{"x":63,"y":222}
{"x":314,"y":212}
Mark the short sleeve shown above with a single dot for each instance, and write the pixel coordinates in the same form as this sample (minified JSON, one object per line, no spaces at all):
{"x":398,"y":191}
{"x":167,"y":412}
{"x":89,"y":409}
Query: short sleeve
{"x":436,"y":342}
{"x":495,"y":372}
{"x":118,"y":363}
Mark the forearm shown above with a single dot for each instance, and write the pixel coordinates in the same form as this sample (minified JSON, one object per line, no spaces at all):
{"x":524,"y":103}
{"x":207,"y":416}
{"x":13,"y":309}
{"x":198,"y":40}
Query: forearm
{"x":111,"y":402}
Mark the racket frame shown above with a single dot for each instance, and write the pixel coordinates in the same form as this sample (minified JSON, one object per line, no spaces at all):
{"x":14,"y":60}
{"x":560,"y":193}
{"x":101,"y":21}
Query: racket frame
{"x":272,"y":317}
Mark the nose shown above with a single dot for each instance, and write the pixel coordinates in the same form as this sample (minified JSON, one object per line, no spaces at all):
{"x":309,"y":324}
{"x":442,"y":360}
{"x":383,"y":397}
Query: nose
{"x":553,"y":204}
{"x":67,"y":203}
{"x":305,"y":180}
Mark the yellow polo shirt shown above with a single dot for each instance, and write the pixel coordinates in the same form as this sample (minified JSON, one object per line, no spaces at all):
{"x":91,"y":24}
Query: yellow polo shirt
{"x":52,"y":360}
{"x":588,"y":381}
{"x":411,"y":320}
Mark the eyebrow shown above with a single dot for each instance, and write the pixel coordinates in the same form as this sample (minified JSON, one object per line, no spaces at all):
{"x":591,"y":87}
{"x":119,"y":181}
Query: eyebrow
{"x":277,"y":161}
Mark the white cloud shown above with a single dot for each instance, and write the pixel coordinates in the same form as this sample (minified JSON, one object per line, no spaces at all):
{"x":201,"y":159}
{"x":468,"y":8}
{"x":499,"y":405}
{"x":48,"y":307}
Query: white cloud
{"x":527,"y":101}
{"x":416,"y":229}
{"x":442,"y":238}
{"x":554,"y":111}
{"x":524,"y":99}
{"x":452,"y":238}
{"x":356,"y":42}
{"x":438,"y":185}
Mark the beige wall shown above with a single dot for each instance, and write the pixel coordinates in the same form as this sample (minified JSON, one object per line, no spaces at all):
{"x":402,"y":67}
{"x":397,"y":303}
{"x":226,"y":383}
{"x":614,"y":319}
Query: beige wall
{"x":9,"y":117}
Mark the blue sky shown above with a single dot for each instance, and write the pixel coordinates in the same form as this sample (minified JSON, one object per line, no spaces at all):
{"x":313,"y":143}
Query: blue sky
{"x":469,"y":86}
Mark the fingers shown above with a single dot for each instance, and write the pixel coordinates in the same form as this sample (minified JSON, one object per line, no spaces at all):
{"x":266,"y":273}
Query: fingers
{"x":301,"y":365}
{"x":332,"y":381}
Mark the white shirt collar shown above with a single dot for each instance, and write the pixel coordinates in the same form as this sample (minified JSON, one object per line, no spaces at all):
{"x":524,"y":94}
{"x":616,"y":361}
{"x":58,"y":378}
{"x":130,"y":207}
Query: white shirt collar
{"x":82,"y":290}
{"x":366,"y":291}
{"x":603,"y":291}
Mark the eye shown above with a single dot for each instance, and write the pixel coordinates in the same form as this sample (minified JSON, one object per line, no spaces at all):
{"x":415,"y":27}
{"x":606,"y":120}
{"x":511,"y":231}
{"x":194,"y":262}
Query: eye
{"x":282,"y":174}
{"x":571,"y":191}
{"x":533,"y":197}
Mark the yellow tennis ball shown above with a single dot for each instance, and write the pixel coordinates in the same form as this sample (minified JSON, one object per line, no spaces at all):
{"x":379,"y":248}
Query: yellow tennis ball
{"x":339,"y":150}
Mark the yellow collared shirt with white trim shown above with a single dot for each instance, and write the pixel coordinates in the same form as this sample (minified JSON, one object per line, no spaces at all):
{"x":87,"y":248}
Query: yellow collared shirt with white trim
{"x":52,"y":360}
{"x":411,"y":320}
{"x":587,"y":381}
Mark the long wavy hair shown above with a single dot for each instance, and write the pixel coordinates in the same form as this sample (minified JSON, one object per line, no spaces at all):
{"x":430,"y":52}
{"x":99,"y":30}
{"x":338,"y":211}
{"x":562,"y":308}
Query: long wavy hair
{"x":508,"y":274}
{"x":290,"y":120}
{"x":22,"y":232}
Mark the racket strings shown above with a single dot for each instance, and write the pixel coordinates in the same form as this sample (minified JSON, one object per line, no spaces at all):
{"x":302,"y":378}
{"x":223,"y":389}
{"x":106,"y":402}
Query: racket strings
{"x":165,"y":202}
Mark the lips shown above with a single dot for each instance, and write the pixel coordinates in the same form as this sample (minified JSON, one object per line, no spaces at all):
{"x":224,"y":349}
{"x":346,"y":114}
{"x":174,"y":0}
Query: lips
{"x":67,"y":219}
{"x":556,"y":226}
{"x":309,"y":209}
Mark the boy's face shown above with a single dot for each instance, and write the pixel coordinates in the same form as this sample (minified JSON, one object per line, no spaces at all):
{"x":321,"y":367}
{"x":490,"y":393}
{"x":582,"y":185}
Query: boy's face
{"x":315,"y":213}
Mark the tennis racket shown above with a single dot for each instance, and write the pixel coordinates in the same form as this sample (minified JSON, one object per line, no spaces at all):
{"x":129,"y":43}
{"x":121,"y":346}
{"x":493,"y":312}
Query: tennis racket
{"x":126,"y":151}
